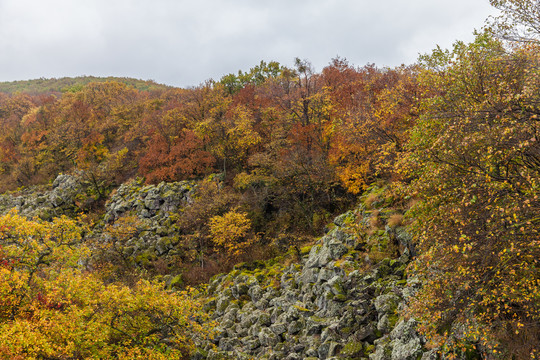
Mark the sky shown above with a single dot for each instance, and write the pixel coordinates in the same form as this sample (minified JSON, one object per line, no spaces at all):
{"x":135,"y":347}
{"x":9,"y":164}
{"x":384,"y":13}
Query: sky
{"x":183,"y":43}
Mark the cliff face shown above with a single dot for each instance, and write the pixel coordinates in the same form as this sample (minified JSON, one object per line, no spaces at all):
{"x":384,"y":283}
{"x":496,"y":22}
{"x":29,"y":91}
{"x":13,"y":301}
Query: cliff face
{"x":323,"y":307}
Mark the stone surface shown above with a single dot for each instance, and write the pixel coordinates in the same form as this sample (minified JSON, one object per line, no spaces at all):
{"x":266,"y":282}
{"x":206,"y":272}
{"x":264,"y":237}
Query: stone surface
{"x":317,"y":309}
{"x":150,"y":208}
{"x":322,"y":307}
{"x":64,"y":197}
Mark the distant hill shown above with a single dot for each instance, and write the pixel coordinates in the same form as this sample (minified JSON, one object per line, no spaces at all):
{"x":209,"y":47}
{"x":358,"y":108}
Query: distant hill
{"x":40,"y":86}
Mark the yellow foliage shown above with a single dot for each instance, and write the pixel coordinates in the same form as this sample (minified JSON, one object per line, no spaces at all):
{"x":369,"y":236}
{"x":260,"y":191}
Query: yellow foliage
{"x":474,"y":167}
{"x":354,"y":177}
{"x":52,"y":307}
{"x":231,"y":231}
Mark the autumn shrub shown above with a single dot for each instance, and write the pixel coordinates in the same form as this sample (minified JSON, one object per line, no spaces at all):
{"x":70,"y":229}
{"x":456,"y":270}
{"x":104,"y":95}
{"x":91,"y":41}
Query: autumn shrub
{"x":76,"y":315}
{"x":395,"y":220}
{"x":374,"y":222}
{"x":232,"y":231}
{"x":371,"y":199}
{"x":52,"y":307}
{"x":212,"y":198}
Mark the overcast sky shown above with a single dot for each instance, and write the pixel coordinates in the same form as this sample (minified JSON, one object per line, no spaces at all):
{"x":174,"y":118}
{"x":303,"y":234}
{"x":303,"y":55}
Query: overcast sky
{"x":183,"y":43}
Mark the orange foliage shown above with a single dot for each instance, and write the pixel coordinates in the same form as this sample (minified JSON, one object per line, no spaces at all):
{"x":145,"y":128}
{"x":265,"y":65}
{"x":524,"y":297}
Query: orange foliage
{"x":182,"y":158}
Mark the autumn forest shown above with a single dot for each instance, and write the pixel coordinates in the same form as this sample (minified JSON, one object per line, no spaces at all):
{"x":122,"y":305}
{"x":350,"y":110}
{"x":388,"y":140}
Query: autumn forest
{"x":268,"y":157}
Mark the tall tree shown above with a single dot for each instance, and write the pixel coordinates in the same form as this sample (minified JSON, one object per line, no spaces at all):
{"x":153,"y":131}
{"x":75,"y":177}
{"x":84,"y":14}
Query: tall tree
{"x":519,"y":21}
{"x":475,"y":158}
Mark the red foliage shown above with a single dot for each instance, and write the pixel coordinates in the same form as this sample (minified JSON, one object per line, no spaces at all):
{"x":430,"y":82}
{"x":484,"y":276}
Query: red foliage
{"x":178,"y":159}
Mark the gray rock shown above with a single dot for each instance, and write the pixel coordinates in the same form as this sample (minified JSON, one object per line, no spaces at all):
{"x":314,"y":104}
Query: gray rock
{"x":228,"y":344}
{"x":343,"y":219}
{"x":319,"y":256}
{"x":325,"y":275}
{"x":254,"y":330}
{"x":279,"y":329}
{"x":383,"y":350}
{"x":430,"y":355}
{"x":386,"y":303}
{"x":264,"y":319}
{"x":252,"y":343}
{"x":335,"y":285}
{"x":319,"y":310}
{"x":309,"y":275}
{"x":409,"y":349}
{"x":314,"y":329}
{"x":383,"y":324}
{"x":293,"y":356}
{"x":295,"y":327}
{"x":299,"y":348}
{"x":331,"y":333}
{"x":405,"y":329}
{"x":239,"y":290}
{"x":366,"y":332}
{"x":231,"y":313}
{"x":328,"y":349}
{"x":256,"y":293}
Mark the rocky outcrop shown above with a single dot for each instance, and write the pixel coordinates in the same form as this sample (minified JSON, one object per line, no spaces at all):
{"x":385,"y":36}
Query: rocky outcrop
{"x":324,"y":307}
{"x":153,"y":202}
{"x":333,"y":302}
{"x":61,"y":198}
{"x":150,"y":210}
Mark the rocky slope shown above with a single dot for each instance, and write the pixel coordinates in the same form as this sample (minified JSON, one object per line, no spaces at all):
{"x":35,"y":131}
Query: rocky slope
{"x":326,"y":306}
{"x":145,"y":208}
{"x":61,"y":198}
{"x":326,"y":301}
{"x":148,"y":209}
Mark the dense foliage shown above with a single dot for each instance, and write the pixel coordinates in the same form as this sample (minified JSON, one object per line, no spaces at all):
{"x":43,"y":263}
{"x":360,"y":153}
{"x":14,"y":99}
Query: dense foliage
{"x":67,"y":84}
{"x":475,"y":158}
{"x":456,"y":134}
{"x":473,"y":163}
{"x":52,"y":308}
{"x":294,"y":144}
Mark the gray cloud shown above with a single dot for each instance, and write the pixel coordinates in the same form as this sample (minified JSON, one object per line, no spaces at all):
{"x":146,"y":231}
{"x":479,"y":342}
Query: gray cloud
{"x":186,"y":42}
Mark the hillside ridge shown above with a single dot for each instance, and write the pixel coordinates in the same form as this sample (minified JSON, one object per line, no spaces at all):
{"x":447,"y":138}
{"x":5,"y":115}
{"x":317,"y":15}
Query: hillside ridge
{"x":64,"y":84}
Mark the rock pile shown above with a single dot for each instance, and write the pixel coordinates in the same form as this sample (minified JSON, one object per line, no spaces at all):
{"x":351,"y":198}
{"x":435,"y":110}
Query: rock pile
{"x":153,"y":202}
{"x":60,"y":199}
{"x":332,"y":303}
{"x":324,"y":307}
{"x":151,"y":210}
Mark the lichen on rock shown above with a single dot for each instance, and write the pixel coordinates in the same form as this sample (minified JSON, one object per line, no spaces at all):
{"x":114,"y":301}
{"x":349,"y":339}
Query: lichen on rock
{"x":320,"y":309}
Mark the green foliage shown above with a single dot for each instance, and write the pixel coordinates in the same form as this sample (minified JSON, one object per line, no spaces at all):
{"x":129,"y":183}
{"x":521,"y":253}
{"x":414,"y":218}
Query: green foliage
{"x":257,"y":75}
{"x":67,"y":84}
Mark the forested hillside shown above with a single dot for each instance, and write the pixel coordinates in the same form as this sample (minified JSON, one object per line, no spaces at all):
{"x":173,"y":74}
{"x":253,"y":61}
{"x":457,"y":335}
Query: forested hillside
{"x":121,"y":195}
{"x":67,"y":84}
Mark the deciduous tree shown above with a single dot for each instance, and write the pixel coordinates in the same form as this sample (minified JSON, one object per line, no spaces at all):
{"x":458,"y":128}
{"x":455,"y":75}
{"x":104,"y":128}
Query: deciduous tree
{"x":475,"y":157}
